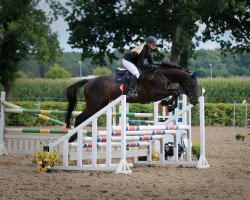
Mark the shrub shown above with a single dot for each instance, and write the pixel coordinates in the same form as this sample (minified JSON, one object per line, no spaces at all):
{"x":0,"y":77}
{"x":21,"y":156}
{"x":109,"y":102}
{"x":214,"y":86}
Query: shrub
{"x":98,"y":71}
{"x":45,"y":160}
{"x":21,"y":74}
{"x":56,"y":72}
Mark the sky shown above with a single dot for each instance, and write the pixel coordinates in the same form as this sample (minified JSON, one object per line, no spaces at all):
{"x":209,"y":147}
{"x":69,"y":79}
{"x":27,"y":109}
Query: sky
{"x":60,"y":26}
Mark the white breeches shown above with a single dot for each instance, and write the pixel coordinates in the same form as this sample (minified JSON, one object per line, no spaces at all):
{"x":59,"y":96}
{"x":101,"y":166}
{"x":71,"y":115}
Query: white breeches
{"x":131,"y":67}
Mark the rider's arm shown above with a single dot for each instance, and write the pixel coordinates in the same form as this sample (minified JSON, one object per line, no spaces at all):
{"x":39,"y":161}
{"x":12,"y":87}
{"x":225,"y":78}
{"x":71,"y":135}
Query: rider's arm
{"x":142,"y":57}
{"x":150,"y":60}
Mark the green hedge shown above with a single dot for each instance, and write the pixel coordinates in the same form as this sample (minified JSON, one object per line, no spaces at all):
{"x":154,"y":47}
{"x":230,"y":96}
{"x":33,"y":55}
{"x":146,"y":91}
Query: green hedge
{"x":218,"y":90}
{"x":216,"y":114}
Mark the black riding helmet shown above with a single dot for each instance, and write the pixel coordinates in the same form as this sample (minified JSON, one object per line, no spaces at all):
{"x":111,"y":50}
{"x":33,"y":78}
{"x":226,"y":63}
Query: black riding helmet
{"x":151,"y":40}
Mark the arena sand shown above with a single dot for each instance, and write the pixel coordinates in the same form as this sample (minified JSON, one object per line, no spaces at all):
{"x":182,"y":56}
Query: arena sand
{"x":227,"y":178}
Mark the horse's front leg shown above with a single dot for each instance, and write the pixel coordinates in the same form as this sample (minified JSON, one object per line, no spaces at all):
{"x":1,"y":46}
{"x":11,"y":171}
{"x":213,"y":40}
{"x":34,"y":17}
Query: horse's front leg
{"x":171,"y":104}
{"x":162,"y":94}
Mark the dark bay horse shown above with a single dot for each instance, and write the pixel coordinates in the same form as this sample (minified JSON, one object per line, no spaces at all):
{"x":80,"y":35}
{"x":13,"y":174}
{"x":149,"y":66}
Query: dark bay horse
{"x":98,"y":92}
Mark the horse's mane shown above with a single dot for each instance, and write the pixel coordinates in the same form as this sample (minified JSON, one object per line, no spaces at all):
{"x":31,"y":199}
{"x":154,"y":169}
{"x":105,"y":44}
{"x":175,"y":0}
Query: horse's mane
{"x":173,"y":65}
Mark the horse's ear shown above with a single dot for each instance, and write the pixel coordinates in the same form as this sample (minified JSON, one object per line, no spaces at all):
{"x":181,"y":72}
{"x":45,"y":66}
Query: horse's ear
{"x":194,"y":75}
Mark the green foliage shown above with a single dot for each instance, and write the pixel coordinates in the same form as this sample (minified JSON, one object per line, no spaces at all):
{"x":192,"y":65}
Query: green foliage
{"x":226,"y":90}
{"x":170,"y":21}
{"x":20,"y":74}
{"x":56,"y":72}
{"x":218,"y":90}
{"x":40,"y":89}
{"x":220,"y":114}
{"x":223,"y":66}
{"x":237,"y":65}
{"x":23,"y":31}
{"x":196,"y":149}
{"x":102,"y":71}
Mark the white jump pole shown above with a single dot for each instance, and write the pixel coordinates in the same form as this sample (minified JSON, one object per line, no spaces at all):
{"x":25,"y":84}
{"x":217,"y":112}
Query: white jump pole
{"x":123,"y":166}
{"x":2,"y":125}
{"x":202,"y":163}
{"x":108,"y":128}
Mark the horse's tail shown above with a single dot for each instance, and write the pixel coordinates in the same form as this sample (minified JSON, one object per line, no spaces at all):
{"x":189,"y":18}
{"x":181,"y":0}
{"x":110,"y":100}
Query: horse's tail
{"x":71,"y":94}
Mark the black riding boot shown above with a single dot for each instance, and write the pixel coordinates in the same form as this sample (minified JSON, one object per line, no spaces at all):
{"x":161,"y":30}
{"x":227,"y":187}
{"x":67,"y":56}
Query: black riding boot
{"x":131,"y":90}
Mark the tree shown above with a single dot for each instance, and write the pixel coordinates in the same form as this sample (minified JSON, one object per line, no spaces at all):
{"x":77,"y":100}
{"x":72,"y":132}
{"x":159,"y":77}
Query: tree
{"x":24,"y":30}
{"x":57,"y":72}
{"x":100,"y":26}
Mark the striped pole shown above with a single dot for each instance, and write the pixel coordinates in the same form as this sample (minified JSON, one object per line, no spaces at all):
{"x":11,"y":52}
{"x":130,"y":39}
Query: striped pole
{"x":156,"y":127}
{"x":140,"y":121}
{"x":113,"y":144}
{"x":131,"y":133}
{"x":44,"y":112}
{"x":128,"y":138}
{"x":35,"y":130}
{"x":117,"y":114}
{"x":49,"y":119}
{"x":40,"y":116}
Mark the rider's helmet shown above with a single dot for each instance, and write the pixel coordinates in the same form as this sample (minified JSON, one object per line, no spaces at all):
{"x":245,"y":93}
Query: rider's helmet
{"x":151,"y":40}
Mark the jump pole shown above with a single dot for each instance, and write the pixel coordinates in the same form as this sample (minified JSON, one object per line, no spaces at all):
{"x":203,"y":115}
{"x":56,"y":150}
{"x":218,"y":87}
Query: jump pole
{"x":2,"y":124}
{"x":123,"y":166}
{"x":202,"y":163}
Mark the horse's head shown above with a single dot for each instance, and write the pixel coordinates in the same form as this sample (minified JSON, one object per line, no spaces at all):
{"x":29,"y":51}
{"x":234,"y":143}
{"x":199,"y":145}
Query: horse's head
{"x":190,"y":87}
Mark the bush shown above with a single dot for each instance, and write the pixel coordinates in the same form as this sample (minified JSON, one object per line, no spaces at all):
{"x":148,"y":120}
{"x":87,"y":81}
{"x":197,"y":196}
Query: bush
{"x":98,"y":71}
{"x":56,"y":72}
{"x":21,"y":74}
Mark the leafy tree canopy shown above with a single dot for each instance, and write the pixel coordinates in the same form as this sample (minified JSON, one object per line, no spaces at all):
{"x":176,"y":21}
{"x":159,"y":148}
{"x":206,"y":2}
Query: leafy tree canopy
{"x":100,"y":26}
{"x":24,"y":30}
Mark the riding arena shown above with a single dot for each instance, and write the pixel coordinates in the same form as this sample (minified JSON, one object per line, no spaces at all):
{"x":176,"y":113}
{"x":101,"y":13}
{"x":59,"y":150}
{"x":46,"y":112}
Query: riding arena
{"x":219,"y":173}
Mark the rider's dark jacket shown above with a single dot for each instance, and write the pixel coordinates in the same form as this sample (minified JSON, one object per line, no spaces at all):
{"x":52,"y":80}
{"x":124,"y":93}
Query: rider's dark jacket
{"x":138,"y":59}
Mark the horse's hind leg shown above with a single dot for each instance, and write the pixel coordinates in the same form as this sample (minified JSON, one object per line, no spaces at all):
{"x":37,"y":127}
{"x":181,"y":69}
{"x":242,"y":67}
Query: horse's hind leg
{"x":91,"y":109}
{"x":79,"y":119}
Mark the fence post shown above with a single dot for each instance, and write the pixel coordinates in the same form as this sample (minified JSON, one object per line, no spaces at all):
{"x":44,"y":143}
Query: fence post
{"x":2,"y":125}
{"x":202,"y":163}
{"x":123,"y":165}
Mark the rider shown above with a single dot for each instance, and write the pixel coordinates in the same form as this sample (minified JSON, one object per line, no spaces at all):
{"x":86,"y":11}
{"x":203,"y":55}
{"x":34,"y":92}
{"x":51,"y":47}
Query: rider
{"x":135,"y":58}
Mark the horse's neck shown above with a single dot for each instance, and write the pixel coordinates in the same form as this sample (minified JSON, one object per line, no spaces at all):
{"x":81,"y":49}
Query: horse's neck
{"x":175,"y":75}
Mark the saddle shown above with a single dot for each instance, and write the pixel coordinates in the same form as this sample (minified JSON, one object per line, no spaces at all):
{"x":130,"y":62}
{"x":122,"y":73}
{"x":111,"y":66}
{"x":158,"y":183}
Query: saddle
{"x":124,"y":76}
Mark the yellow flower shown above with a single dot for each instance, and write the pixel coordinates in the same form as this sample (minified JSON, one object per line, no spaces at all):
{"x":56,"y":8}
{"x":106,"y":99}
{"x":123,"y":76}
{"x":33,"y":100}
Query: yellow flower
{"x":45,"y":160}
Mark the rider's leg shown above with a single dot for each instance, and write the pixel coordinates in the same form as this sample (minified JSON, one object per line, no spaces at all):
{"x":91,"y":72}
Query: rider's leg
{"x":136,"y":74}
